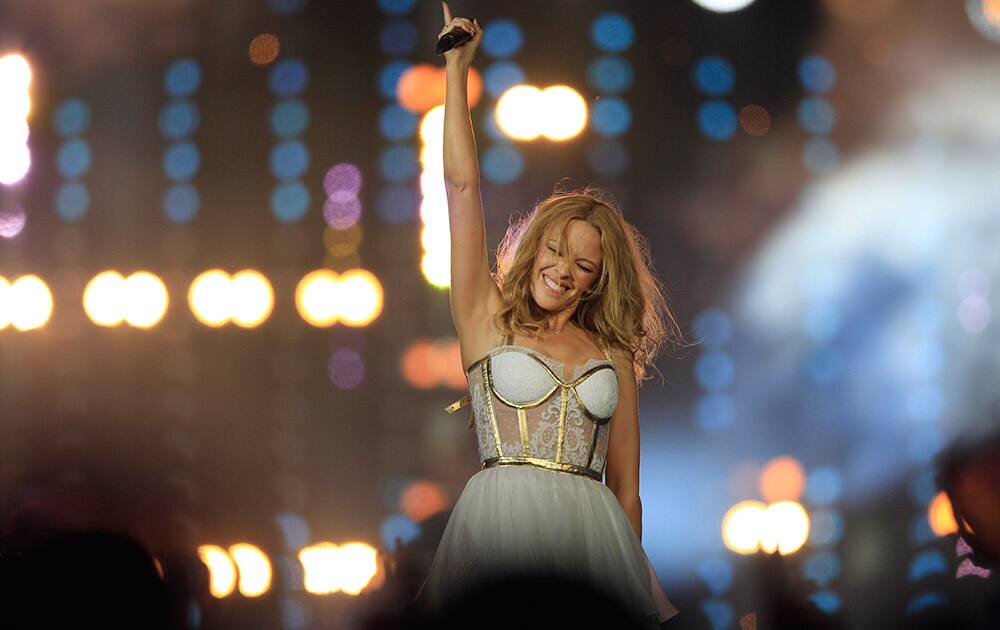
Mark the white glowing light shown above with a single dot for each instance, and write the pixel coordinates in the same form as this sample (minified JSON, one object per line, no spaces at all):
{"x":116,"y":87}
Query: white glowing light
{"x":723,"y":6}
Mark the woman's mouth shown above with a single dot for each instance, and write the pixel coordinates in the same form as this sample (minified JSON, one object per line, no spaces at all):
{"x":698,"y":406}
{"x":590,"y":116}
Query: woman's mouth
{"x":554,"y":286}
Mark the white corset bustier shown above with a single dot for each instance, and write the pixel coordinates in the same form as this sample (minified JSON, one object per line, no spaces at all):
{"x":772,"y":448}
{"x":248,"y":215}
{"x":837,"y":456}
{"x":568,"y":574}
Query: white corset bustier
{"x":525,"y":412}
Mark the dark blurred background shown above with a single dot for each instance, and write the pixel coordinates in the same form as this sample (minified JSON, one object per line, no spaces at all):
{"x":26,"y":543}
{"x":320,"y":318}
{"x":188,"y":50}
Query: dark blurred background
{"x":817,"y":181}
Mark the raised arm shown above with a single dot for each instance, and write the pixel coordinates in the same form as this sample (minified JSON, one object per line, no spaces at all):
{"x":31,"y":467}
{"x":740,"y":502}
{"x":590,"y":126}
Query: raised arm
{"x":474,"y":295}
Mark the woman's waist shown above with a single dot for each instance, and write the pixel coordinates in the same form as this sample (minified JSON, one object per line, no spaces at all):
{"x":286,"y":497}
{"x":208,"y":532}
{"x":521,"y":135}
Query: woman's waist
{"x":545,"y":464}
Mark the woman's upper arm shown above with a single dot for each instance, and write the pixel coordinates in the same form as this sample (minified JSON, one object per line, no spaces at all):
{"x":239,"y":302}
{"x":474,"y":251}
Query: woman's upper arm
{"x":622,"y":467}
{"x":474,"y":294}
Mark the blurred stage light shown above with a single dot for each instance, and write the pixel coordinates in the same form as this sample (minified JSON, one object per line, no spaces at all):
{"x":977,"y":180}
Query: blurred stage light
{"x":388,"y":78}
{"x":564,"y":113}
{"x":612,"y":32}
{"x":717,"y":119}
{"x":611,"y":116}
{"x":823,"y":485}
{"x":328,"y":568}
{"x":396,"y":7}
{"x":398,"y":38}
{"x":817,"y":74}
{"x":290,"y":201}
{"x":742,"y":527}
{"x":254,"y":569}
{"x":502,"y":164}
{"x":422,"y":499}
{"x":397,"y":123}
{"x":827,"y":528}
{"x":221,"y":570}
{"x":179,"y":119}
{"x":822,"y":568}
{"x":346,"y":369}
{"x":12,"y":222}
{"x":289,"y":118}
{"x":421,"y":87}
{"x":611,"y":75}
{"x":754,"y":120}
{"x":289,"y":78}
{"x":715,"y":412}
{"x":71,"y":118}
{"x":399,"y":163}
{"x":342,"y":242}
{"x":109,"y":299}
{"x":940,"y":515}
{"x":502,"y":37}
{"x":26,"y":303}
{"x":985,"y":17}
{"x":784,"y":527}
{"x":723,"y":6}
{"x":264,"y":49}
{"x":341,"y":210}
{"x":323,"y":298}
{"x":713,"y":75}
{"x":246,"y":298}
{"x":501,"y":76}
{"x":397,"y":204}
{"x":182,"y":77}
{"x":517,"y":112}
{"x":782,"y":480}
{"x":289,"y":159}
{"x":398,"y":526}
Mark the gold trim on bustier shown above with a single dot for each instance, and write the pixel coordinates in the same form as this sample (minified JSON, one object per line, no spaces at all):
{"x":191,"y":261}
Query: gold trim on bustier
{"x":488,"y":386}
{"x":542,"y":463}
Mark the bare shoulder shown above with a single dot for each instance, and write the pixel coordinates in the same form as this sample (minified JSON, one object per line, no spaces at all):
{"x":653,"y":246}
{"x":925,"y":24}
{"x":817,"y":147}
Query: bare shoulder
{"x":622,"y":356}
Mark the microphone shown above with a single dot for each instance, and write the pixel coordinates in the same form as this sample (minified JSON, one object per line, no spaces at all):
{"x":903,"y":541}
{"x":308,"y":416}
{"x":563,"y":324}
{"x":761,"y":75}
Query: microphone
{"x":452,"y":39}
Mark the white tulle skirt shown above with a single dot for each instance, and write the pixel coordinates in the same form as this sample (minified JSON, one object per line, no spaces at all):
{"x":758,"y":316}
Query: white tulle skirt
{"x":525,"y":518}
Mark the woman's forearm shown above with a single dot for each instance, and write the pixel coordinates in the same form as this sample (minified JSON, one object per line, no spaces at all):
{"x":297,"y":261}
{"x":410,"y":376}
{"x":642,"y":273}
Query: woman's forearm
{"x":633,"y":509}
{"x":461,"y":164}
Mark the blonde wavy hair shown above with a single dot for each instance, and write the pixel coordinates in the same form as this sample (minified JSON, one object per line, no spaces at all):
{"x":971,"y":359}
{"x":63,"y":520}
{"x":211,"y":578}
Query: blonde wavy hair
{"x":627,"y":304}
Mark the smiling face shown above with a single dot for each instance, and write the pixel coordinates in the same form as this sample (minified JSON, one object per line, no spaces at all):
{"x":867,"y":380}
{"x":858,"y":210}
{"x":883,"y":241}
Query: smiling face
{"x":560,"y":278}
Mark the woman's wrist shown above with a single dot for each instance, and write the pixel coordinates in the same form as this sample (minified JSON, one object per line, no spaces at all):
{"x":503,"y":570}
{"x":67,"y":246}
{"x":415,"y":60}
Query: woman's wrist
{"x":456,"y":67}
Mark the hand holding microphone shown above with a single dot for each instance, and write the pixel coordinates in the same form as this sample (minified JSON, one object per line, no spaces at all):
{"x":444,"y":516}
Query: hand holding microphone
{"x":459,"y":38}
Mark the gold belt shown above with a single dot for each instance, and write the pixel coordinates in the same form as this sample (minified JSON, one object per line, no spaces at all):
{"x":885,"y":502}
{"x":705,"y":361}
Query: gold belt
{"x":542,"y":463}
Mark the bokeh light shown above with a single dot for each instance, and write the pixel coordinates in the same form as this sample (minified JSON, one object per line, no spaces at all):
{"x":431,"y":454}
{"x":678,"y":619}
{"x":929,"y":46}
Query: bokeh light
{"x":254,"y":569}
{"x":782,"y":479}
{"x":502,"y":37}
{"x":713,"y":75}
{"x":246,"y":298}
{"x":940,"y":515}
{"x":328,"y":568}
{"x":784,"y":527}
{"x":264,"y":49}
{"x":323,"y":298}
{"x":612,"y":32}
{"x":717,"y":119}
{"x":221,"y":570}
{"x":755,"y":120}
{"x":25,"y":303}
{"x":742,"y":527}
{"x":12,"y":222}
{"x":346,"y":369}
{"x":422,"y":499}
{"x":421,"y":87}
{"x":723,"y":6}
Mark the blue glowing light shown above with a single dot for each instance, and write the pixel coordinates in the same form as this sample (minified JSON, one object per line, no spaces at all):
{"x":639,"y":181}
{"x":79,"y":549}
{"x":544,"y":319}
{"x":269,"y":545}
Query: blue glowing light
{"x":612,"y":32}
{"x":398,"y":526}
{"x":822,"y":568}
{"x":611,"y":75}
{"x":289,"y":118}
{"x":827,"y":528}
{"x":717,"y":120}
{"x":713,"y":75}
{"x":287,"y":6}
{"x":179,"y":119}
{"x":181,"y":161}
{"x":717,"y":573}
{"x":289,"y":159}
{"x":73,"y":158}
{"x":926,"y":563}
{"x":502,"y":164}
{"x":396,"y":7}
{"x":388,"y":77}
{"x":817,"y":74}
{"x":611,"y":116}
{"x":183,"y":77}
{"x":714,"y":412}
{"x":501,"y":76}
{"x":502,"y":38}
{"x":718,"y":612}
{"x":71,"y":118}
{"x":824,"y":485}
{"x":181,"y":203}
{"x":816,"y":115}
{"x":397,"y":204}
{"x":922,"y":601}
{"x":608,"y":157}
{"x":399,"y":163}
{"x":827,"y":601}
{"x":72,"y":201}
{"x":398,"y":38}
{"x":713,"y":327}
{"x":289,"y":77}
{"x":714,"y":370}
{"x":397,"y":123}
{"x":290,"y":201}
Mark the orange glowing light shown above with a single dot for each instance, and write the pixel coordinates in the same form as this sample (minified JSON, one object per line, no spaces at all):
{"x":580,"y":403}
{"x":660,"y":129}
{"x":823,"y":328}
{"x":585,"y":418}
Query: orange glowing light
{"x":422,"y":499}
{"x":940,"y":516}
{"x":264,"y":49}
{"x":421,"y":87}
{"x":782,"y":479}
{"x":414,"y":365}
{"x":754,"y":120}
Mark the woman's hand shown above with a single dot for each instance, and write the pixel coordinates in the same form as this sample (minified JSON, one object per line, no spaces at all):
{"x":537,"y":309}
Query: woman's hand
{"x":461,"y":56}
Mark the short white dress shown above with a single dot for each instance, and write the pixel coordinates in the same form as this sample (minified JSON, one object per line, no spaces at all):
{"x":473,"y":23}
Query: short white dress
{"x":540,"y":504}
